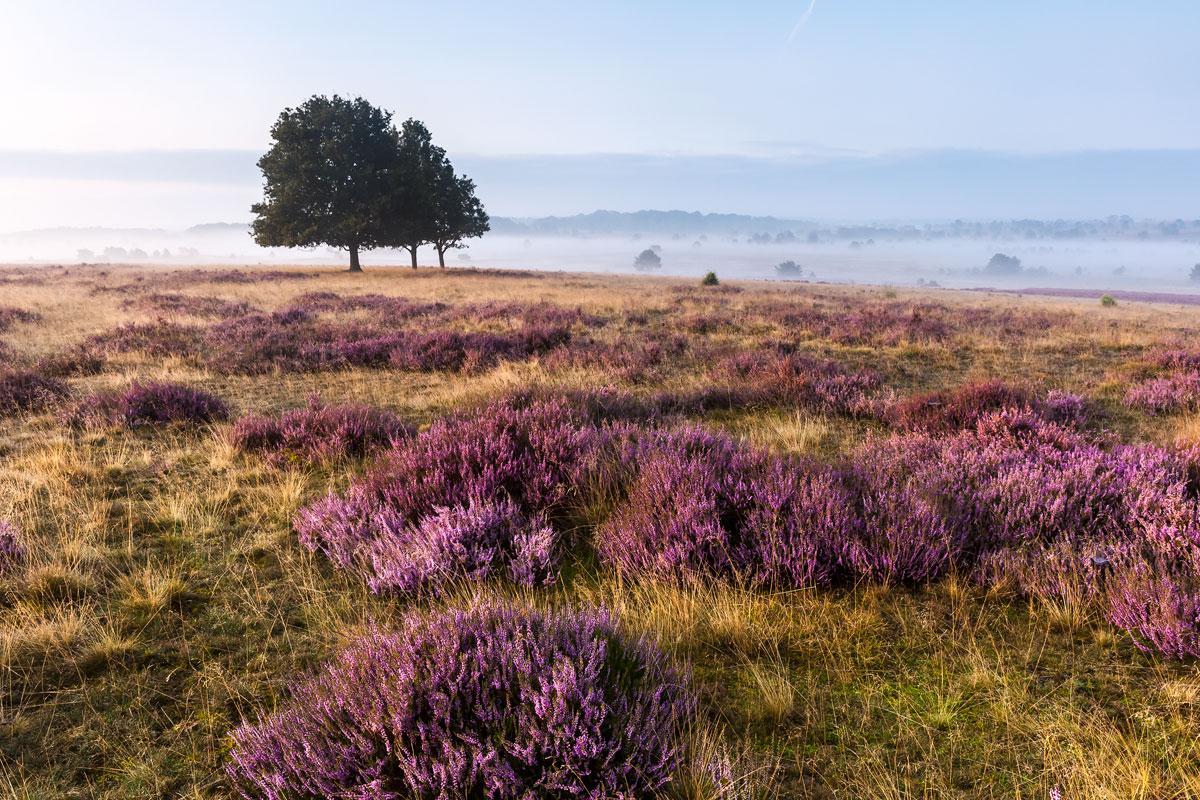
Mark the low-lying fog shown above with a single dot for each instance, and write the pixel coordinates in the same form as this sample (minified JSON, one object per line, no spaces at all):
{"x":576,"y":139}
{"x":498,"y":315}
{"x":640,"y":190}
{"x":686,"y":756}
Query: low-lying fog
{"x":948,"y":262}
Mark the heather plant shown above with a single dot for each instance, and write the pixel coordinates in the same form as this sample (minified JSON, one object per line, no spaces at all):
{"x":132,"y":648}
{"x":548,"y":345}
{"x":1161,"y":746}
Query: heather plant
{"x":158,"y":338}
{"x":23,"y":391}
{"x":488,"y":702}
{"x":701,"y":505}
{"x":12,"y":550}
{"x":10,"y":315}
{"x":318,"y":433}
{"x":174,"y":303}
{"x":148,"y":403}
{"x":530,"y":455}
{"x":1179,"y":391}
{"x":1154,"y":595}
{"x":481,"y":540}
{"x":956,"y":409}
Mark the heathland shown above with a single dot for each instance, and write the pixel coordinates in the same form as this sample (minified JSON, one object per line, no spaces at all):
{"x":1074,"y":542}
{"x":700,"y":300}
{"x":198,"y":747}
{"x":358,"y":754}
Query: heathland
{"x":447,"y":533}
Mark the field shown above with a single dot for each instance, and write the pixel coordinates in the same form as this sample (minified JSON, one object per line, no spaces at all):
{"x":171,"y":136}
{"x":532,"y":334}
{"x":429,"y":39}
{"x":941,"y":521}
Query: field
{"x":892,"y":544}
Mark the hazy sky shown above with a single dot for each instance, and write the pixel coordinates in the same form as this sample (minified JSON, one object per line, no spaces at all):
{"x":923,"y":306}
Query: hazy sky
{"x":695,"y":77}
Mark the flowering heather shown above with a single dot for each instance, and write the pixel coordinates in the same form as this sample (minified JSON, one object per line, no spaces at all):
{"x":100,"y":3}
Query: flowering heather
{"x":481,"y":540}
{"x":1179,"y":391}
{"x":530,"y":455}
{"x":152,"y":403}
{"x":158,"y":338}
{"x":489,"y":702}
{"x":956,"y":409}
{"x":10,"y":316}
{"x":236,"y":276}
{"x":699,"y":504}
{"x":12,"y":551}
{"x":73,"y":362}
{"x":1066,"y":408}
{"x":22,"y":392}
{"x":173,"y":303}
{"x":1156,"y":598}
{"x":772,"y":376}
{"x":1178,"y":358}
{"x":318,"y":433}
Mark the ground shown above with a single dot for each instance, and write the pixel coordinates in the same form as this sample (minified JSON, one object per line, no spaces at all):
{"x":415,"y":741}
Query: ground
{"x":166,"y":597}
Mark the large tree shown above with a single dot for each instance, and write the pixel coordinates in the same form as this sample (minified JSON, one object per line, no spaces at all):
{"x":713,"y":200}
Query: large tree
{"x":330,"y":176}
{"x":458,"y":213}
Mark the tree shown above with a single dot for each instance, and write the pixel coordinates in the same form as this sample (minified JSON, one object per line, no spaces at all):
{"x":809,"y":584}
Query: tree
{"x":459,"y":215}
{"x":412,"y":215}
{"x":1001,"y":264}
{"x":647,"y":260}
{"x":329,"y":177}
{"x":1196,"y":273}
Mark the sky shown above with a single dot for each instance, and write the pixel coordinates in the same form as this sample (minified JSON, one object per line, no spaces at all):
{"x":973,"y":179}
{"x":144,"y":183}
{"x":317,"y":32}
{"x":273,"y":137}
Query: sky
{"x":694,"y":86}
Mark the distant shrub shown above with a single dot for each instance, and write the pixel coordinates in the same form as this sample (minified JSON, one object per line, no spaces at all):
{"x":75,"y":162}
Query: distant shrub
{"x":10,"y":316}
{"x":699,"y":504}
{"x":1108,"y":301}
{"x":648,"y":260}
{"x":12,"y":550}
{"x":1001,"y":264}
{"x":474,"y":542}
{"x":789,"y":269}
{"x":22,"y":392}
{"x":489,"y":702}
{"x":77,"y":361}
{"x":159,"y":338}
{"x":710,"y":279}
{"x":190,"y":305}
{"x":318,"y":433}
{"x":150,"y":403}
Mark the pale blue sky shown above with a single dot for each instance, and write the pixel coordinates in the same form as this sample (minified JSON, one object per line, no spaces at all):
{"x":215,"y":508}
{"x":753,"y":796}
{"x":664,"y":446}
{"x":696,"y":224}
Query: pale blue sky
{"x":643,"y":77}
{"x":631,"y":76}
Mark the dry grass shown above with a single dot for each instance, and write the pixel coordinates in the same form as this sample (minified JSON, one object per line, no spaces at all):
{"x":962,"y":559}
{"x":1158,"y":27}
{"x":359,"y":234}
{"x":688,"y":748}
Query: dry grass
{"x":166,"y":595}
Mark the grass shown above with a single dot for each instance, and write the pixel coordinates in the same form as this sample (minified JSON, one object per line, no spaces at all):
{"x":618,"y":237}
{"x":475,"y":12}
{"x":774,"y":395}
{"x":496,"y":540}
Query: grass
{"x":166,"y":597}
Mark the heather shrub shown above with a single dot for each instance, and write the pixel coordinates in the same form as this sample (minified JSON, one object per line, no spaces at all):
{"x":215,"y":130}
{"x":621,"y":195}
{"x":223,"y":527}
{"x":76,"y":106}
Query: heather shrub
{"x":189,"y":305}
{"x":699,"y":504}
{"x":12,"y":550}
{"x":530,"y":455}
{"x":150,"y":403}
{"x":22,"y":392}
{"x":318,"y":433}
{"x":1179,"y":391}
{"x":475,"y":542}
{"x":1065,"y":408}
{"x":10,"y":315}
{"x":160,"y":338}
{"x":956,"y":409}
{"x":74,"y":362}
{"x":488,"y":702}
{"x":773,"y":376}
{"x":1154,"y":595}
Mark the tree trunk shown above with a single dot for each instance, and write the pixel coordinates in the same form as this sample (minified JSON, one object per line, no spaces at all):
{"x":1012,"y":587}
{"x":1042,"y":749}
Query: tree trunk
{"x":412,"y":251}
{"x":354,"y":265}
{"x":442,"y":257}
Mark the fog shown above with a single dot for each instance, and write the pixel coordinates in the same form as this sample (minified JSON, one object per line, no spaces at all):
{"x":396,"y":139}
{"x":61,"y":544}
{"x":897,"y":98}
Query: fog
{"x":944,"y":261}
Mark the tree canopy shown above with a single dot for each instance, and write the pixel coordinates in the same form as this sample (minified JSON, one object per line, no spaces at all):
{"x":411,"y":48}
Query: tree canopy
{"x":339,"y":173}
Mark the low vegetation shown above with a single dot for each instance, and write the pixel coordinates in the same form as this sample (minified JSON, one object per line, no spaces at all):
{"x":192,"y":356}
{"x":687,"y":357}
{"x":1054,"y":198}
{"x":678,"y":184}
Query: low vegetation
{"x":474,"y":533}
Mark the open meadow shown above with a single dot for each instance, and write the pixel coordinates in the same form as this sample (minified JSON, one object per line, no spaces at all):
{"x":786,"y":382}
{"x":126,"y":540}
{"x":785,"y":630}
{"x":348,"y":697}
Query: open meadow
{"x":464,"y":533}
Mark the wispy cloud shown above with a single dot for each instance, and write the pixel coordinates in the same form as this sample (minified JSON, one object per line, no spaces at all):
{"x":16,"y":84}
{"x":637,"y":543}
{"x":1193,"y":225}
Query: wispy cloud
{"x":801,"y":22}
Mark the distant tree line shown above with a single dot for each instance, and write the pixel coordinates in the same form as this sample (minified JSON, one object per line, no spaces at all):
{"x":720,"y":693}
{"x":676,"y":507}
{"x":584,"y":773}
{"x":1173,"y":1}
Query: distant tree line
{"x":339,"y":173}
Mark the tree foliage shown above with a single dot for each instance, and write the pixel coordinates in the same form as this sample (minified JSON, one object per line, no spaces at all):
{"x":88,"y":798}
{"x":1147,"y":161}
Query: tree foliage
{"x":339,"y":173}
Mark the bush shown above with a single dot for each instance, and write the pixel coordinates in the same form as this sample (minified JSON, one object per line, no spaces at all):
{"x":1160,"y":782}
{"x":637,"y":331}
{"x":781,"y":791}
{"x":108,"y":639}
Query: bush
{"x":956,"y":409}
{"x":699,"y":504}
{"x":1156,"y":598}
{"x":710,"y":279}
{"x":489,"y":702}
{"x":530,"y":455}
{"x":648,"y":260}
{"x":12,"y":550}
{"x":151,"y":403}
{"x":22,"y":392}
{"x":318,"y":433}
{"x":1177,"y":392}
{"x":473,"y":542}
{"x":1108,"y":301}
{"x":10,"y":315}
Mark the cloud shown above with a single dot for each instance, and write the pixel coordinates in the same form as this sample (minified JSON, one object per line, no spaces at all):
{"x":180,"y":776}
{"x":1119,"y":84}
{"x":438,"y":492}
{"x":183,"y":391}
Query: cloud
{"x":801,"y":22}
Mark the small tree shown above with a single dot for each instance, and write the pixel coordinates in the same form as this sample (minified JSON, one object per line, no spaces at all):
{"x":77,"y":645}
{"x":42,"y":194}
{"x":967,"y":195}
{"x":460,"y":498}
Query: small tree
{"x":789,"y":268}
{"x":647,"y":260}
{"x":412,"y":217}
{"x":1001,"y":264}
{"x":1196,"y":273}
{"x":710,"y":280}
{"x":328,"y":177}
{"x":458,"y":213}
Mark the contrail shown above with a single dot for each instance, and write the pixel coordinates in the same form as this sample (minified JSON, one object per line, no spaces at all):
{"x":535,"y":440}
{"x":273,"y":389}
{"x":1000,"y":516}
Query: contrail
{"x":800,"y":22}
